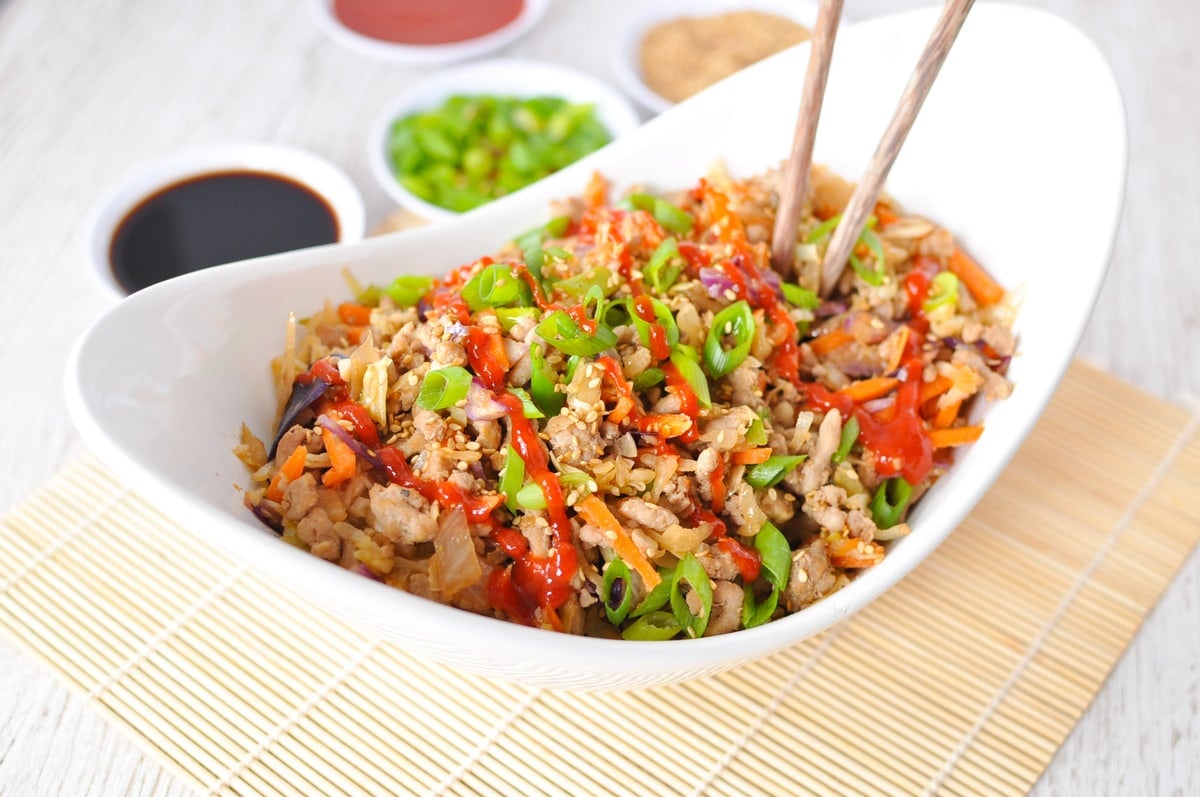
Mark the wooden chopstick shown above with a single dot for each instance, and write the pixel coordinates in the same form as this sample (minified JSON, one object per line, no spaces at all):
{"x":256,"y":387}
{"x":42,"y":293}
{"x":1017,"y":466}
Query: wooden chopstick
{"x":795,"y":180}
{"x":862,"y":202}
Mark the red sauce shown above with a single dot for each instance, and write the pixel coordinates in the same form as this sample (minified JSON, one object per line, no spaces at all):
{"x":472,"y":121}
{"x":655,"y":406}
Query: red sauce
{"x":357,"y":415}
{"x":716,"y":482}
{"x":658,"y":336}
{"x":688,"y":401}
{"x":426,"y":21}
{"x":917,"y":282}
{"x":702,"y":515}
{"x":488,"y":358}
{"x":477,"y":508}
{"x":748,"y":561}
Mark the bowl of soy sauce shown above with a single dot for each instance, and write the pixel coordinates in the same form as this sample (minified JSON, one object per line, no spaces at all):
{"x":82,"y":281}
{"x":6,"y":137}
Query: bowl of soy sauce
{"x":204,"y":207}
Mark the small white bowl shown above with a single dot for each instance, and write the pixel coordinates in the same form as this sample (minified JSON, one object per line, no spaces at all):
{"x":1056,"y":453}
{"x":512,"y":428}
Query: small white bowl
{"x":313,"y":172}
{"x":501,"y":76}
{"x":531,"y":12}
{"x":626,"y":55}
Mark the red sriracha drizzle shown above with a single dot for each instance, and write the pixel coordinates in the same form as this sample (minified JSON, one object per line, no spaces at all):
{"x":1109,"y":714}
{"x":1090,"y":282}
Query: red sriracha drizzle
{"x":659,"y":349}
{"x":477,"y":508}
{"x":488,"y":358}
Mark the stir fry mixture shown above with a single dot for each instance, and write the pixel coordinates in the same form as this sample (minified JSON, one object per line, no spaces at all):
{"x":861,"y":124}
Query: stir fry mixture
{"x":625,"y":423}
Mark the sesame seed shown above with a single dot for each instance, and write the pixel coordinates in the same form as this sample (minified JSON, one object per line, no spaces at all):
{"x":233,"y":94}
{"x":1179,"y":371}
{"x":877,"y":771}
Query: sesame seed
{"x":801,"y":576}
{"x":728,"y":327}
{"x":610,"y":534}
{"x":594,"y":383}
{"x":730,"y":294}
{"x":462,"y":464}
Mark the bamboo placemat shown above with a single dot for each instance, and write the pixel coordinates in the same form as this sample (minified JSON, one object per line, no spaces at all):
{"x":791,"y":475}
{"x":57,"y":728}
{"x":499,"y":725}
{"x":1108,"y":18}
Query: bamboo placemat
{"x":963,"y":679}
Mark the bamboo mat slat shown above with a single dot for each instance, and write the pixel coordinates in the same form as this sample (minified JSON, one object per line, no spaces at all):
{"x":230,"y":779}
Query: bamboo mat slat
{"x":964,"y":679}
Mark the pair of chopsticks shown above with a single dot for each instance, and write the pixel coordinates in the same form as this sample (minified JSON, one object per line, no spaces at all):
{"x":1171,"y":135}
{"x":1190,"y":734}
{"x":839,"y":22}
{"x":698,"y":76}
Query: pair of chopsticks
{"x":862,"y":201}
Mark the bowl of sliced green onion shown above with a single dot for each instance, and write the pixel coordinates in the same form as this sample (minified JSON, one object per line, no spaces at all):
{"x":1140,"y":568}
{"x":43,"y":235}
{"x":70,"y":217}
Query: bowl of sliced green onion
{"x":473,"y":134}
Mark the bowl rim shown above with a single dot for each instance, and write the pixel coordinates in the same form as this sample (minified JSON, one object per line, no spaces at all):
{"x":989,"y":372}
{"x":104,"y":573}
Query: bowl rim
{"x":531,"y":13}
{"x":616,"y":111}
{"x":623,"y":57}
{"x":312,"y":171}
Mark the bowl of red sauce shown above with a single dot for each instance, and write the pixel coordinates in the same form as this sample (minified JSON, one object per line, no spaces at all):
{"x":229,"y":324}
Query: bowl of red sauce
{"x":426,"y":31}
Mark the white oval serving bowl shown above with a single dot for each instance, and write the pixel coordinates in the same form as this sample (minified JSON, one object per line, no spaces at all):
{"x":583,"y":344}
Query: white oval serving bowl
{"x":311,"y":171}
{"x":427,"y":54}
{"x":1025,"y":164}
{"x":500,"y":76}
{"x":626,"y":54}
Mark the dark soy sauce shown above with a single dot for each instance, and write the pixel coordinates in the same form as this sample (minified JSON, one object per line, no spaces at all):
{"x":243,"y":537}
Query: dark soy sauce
{"x":216,"y":218}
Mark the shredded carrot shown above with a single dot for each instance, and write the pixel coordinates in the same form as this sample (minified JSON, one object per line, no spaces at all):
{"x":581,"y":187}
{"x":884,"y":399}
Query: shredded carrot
{"x":355,"y":315}
{"x":355,"y":335}
{"x":946,"y":415}
{"x":831,"y":340}
{"x":935,"y":388}
{"x":621,"y":411}
{"x":985,"y":289}
{"x":667,"y":425}
{"x":596,"y":512}
{"x":958,"y":436}
{"x":342,"y":460}
{"x":885,"y":415}
{"x":595,"y":193}
{"x":848,"y":552}
{"x":751,"y":456}
{"x":292,"y":469}
{"x":884,"y":214}
{"x":898,"y":350}
{"x":867,"y":389}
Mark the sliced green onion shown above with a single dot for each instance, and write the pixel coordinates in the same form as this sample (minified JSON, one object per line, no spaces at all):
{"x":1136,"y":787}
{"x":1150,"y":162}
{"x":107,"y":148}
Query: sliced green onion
{"x":822,"y":230}
{"x":528,"y":408}
{"x":876,"y":246}
{"x":693,"y":374}
{"x":890,"y":501}
{"x":773,"y":470}
{"x":531,"y":497}
{"x":669,"y":216}
{"x":572,"y":363}
{"x":756,"y":435}
{"x":512,"y":478}
{"x":581,"y":284}
{"x":509,"y":316}
{"x":664,"y":267}
{"x":408,"y":291}
{"x":776,"y":555}
{"x":497,"y":285}
{"x":655,"y":626}
{"x":530,"y":243}
{"x":656,"y":598}
{"x":690,"y":572}
{"x":736,"y":321}
{"x":689,"y":352}
{"x":943,"y":290}
{"x":560,"y":331}
{"x":444,"y":388}
{"x":648,"y":379}
{"x":752,"y":615}
{"x":849,"y":435}
{"x":543,"y":382}
{"x":662,"y":316}
{"x":618,"y":591}
{"x":800,"y":296}
{"x":558,"y":253}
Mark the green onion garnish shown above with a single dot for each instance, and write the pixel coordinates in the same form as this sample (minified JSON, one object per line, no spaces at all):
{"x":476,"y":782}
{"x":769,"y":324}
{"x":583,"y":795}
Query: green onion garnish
{"x":508,"y":316}
{"x":618,"y":591}
{"x":531,"y":497}
{"x":801,"y":297}
{"x":943,"y":290}
{"x":512,"y":478}
{"x":690,"y":571}
{"x":752,"y":615}
{"x":530,"y":243}
{"x":648,"y":379}
{"x":736,"y":321}
{"x":656,"y":598}
{"x":773,"y":470}
{"x":662,"y":316}
{"x":849,"y":435}
{"x":542,"y":384}
{"x":655,"y":626}
{"x":528,"y":408}
{"x":664,"y":267}
{"x":444,"y":388}
{"x":693,"y":374}
{"x":560,"y":331}
{"x":756,"y":435}
{"x":876,"y":246}
{"x":497,"y":285}
{"x":890,"y":501}
{"x":407,"y":291}
{"x":670,"y":217}
{"x":582,"y":284}
{"x":776,"y":555}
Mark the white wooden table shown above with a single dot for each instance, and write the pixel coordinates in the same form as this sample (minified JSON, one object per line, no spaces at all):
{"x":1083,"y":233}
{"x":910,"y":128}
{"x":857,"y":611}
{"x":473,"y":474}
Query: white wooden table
{"x":91,"y":88}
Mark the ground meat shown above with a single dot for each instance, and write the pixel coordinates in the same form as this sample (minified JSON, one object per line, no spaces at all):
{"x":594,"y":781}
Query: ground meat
{"x":718,"y":563}
{"x":776,"y":504}
{"x":812,"y":576}
{"x":726,"y":608}
{"x":317,"y":532}
{"x":995,"y":386}
{"x":299,"y":497}
{"x":292,"y":439}
{"x":728,"y":430}
{"x":402,"y":515}
{"x":747,"y":383}
{"x":706,"y":465}
{"x":677,"y":494}
{"x":489,"y":434}
{"x":572,"y":440}
{"x":645,"y":514}
{"x":824,"y":506}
